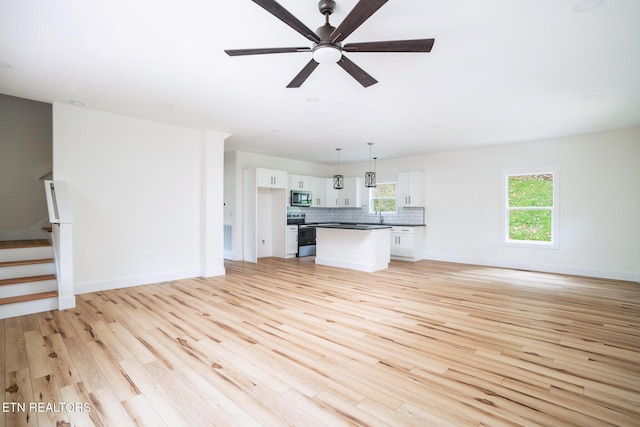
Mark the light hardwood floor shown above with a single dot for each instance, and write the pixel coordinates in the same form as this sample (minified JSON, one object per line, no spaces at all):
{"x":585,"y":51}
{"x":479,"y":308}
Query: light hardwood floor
{"x":286,"y":342}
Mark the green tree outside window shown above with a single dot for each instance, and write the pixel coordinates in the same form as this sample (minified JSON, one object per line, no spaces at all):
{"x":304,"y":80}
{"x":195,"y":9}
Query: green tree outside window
{"x":383,"y":198}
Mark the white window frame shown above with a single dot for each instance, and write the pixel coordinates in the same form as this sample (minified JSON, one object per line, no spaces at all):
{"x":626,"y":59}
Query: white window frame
{"x":555,"y":210}
{"x":371,"y":190}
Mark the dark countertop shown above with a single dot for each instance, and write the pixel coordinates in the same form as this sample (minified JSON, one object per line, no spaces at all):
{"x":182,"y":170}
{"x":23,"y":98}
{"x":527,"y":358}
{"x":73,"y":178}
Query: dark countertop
{"x":353,"y":226}
{"x":391,"y":224}
{"x":386,"y":224}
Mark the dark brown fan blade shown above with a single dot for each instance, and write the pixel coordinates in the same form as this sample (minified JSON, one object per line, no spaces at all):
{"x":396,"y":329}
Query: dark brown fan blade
{"x":285,"y":16}
{"x":421,"y":45}
{"x":360,"y":13}
{"x":356,"y":72}
{"x":302,"y":75}
{"x":238,"y":52}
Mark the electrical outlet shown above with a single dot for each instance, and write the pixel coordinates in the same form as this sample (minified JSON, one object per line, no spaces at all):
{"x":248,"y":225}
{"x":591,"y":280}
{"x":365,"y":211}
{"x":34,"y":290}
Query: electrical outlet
{"x":263,"y":241}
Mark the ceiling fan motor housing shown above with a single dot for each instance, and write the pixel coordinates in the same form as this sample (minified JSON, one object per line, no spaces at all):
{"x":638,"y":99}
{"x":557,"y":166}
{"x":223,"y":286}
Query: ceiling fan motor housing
{"x":325,"y":32}
{"x":326,"y":6}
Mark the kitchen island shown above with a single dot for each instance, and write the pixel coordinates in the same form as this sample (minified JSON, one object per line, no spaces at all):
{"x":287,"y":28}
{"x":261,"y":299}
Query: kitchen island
{"x":362,"y":247}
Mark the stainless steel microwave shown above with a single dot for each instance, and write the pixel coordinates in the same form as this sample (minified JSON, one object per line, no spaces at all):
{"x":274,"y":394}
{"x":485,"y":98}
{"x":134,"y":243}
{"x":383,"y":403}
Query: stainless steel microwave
{"x":301,"y":198}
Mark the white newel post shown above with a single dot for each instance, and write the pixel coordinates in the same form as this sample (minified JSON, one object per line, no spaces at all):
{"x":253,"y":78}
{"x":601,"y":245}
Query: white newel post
{"x":61,"y":218}
{"x":66,"y":297}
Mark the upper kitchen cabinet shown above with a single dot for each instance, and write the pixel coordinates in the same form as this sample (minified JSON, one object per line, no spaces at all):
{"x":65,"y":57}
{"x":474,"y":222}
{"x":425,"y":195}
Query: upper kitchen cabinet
{"x":410,"y":189}
{"x":318,"y":192}
{"x":268,"y":178}
{"x":351,"y":195}
{"x":332,"y":196}
{"x":300,"y":182}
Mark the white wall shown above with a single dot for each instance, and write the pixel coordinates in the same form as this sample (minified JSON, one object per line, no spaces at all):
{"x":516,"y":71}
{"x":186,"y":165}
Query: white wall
{"x":599,"y":203}
{"x":212,"y":198}
{"x":146,"y":196}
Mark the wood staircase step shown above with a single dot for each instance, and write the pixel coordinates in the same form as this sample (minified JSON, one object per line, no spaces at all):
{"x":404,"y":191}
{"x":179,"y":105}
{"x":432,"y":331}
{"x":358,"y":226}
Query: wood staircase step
{"x":26,"y":262}
{"x":28,"y":279}
{"x":15,"y":244}
{"x":26,"y":283}
{"x":30,"y":297}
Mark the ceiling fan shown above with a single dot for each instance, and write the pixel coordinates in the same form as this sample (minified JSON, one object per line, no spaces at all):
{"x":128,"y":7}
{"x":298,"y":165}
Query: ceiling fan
{"x":327,"y":40}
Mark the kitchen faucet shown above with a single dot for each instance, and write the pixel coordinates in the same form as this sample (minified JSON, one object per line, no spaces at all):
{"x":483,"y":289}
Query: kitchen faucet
{"x":381,"y":218}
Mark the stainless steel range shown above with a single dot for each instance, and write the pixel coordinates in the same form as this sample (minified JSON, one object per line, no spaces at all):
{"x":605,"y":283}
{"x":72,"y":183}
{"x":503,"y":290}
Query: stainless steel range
{"x":306,"y":240}
{"x":306,"y":234}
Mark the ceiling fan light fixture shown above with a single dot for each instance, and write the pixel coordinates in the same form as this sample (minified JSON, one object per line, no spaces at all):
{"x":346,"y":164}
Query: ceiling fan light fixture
{"x":326,"y":54}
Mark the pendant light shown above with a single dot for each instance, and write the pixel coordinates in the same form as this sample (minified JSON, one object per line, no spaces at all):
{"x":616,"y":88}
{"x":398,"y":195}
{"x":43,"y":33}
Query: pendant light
{"x":338,"y":180}
{"x":370,"y":177}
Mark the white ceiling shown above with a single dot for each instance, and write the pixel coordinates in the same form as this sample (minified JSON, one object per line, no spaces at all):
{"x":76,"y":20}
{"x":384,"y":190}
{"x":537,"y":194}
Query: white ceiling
{"x":501,"y":71}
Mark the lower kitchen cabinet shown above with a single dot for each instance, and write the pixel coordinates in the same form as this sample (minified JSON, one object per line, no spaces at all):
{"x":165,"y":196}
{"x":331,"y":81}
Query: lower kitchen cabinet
{"x":292,"y":241}
{"x":407,"y":243}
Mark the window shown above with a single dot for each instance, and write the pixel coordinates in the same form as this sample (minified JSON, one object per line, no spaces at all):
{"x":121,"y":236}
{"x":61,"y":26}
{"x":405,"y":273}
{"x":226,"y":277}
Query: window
{"x":382,"y":198}
{"x":530,"y":206}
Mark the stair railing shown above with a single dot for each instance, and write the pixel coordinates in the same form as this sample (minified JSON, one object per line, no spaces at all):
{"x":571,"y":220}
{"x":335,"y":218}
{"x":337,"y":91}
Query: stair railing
{"x":61,"y":219}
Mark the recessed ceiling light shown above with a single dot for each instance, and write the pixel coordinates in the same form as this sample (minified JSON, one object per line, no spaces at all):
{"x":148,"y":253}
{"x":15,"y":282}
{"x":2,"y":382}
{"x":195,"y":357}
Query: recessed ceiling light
{"x":313,"y":99}
{"x":5,"y":65}
{"x":77,"y":103}
{"x":587,"y":5}
{"x":593,"y":97}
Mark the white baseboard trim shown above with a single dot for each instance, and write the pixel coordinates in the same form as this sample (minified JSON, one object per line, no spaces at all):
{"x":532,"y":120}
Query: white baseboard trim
{"x":573,"y":271}
{"x":66,"y":302}
{"x":214,"y":272}
{"x":367,"y":268}
{"x":231,"y":256}
{"x":127,"y":282}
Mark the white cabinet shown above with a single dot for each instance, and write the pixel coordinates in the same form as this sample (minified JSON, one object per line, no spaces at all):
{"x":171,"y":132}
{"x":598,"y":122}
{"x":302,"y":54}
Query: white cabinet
{"x":349,"y":197}
{"x":351,"y":194}
{"x":300,"y":182}
{"x":407,"y":242}
{"x":410,"y":189}
{"x":317,"y":186}
{"x":325,"y":196}
{"x":318,"y":192}
{"x":332,"y":196}
{"x":292,"y":241}
{"x":269,"y":178}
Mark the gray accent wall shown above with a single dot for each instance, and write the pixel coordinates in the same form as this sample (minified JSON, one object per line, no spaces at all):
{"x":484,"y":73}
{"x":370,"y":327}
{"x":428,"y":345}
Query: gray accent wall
{"x":25,"y":158}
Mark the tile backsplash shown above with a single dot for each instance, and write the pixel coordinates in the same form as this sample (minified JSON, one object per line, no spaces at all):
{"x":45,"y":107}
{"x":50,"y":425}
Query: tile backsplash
{"x":408,"y":216}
